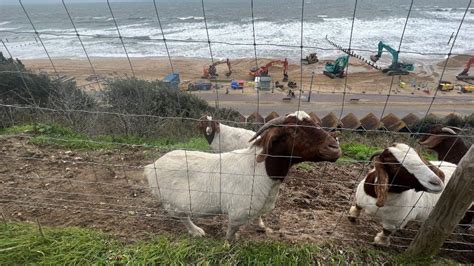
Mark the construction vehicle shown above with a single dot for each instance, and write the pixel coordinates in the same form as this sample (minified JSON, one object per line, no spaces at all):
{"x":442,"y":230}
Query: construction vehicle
{"x":263,"y":71}
{"x":237,"y":84}
{"x":464,"y":74}
{"x":445,"y":86}
{"x":467,"y":88}
{"x":292,"y":84}
{"x":200,"y":84}
{"x":396,"y":68}
{"x":312,"y":58}
{"x":337,"y":68}
{"x":210,"y":72}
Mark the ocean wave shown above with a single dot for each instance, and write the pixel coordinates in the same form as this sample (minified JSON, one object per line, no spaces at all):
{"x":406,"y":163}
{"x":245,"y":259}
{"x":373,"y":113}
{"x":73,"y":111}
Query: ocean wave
{"x":4,"y":23}
{"x":443,"y":9}
{"x":190,"y":18}
{"x":136,"y":18}
{"x":366,"y":35}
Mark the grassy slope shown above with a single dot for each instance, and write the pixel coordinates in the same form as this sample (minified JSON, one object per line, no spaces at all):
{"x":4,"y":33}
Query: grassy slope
{"x":51,"y":134}
{"x":22,"y":243}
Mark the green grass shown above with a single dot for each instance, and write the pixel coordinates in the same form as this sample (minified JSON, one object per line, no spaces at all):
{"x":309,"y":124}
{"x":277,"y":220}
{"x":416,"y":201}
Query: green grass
{"x":52,"y":134}
{"x":21,"y":243}
{"x":357,"y":151}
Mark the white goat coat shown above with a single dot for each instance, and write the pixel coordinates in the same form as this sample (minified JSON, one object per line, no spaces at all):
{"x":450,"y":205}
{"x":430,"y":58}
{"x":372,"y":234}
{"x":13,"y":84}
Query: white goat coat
{"x":231,"y":138}
{"x":190,"y":182}
{"x":399,"y":205}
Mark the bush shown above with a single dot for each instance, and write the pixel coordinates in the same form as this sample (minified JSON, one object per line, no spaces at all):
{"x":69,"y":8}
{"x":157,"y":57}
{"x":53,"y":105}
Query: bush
{"x":153,"y":109}
{"x":22,"y":87}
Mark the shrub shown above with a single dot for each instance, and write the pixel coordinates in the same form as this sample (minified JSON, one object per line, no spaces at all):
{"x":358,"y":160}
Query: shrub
{"x":153,"y":109}
{"x":20,"y":86}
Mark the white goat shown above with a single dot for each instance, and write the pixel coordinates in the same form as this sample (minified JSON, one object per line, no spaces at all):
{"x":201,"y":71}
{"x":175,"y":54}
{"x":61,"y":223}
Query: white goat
{"x":402,"y":187}
{"x":223,"y":138}
{"x":244,"y":184}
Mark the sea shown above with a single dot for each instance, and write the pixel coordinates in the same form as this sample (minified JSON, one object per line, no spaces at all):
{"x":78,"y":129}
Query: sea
{"x":279,"y":27}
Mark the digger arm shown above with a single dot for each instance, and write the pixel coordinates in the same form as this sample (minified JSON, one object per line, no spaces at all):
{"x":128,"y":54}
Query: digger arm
{"x":389,"y":49}
{"x":342,"y":61}
{"x":469,"y":63}
{"x":229,"y":67}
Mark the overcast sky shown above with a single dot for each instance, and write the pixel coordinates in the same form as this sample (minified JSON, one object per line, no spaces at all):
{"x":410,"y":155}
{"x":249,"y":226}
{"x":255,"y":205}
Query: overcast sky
{"x":59,"y":1}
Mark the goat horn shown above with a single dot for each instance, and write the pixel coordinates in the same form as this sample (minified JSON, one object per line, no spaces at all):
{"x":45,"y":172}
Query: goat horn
{"x":272,"y":123}
{"x":375,"y":155}
{"x":448,"y":130}
{"x":455,"y":128}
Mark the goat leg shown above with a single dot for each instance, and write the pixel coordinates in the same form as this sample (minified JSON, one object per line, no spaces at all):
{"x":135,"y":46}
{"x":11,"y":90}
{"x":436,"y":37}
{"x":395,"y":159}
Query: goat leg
{"x":193,"y":229}
{"x":383,"y":238}
{"x":354,"y":213}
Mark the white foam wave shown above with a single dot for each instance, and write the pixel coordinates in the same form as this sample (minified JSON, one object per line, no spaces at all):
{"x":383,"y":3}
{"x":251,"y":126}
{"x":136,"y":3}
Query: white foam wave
{"x":422,"y":35}
{"x":190,"y":18}
{"x":4,"y":23}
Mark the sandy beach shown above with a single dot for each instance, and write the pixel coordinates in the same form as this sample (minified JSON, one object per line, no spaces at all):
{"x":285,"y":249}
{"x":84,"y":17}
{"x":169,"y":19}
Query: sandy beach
{"x":361,"y":77}
{"x":362,"y":80}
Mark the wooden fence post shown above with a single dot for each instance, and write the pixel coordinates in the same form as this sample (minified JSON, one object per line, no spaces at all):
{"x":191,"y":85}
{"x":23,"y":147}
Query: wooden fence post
{"x":451,"y":207}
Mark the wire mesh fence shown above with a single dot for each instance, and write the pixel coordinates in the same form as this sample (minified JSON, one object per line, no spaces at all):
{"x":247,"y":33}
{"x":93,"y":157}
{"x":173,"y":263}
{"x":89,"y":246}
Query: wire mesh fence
{"x":101,"y":184}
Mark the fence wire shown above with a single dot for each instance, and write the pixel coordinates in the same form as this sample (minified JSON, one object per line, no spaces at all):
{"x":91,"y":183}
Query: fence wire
{"x":31,"y":187}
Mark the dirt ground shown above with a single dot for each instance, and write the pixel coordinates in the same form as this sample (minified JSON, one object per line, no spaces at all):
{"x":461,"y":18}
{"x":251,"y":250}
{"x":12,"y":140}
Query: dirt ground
{"x":105,"y":190}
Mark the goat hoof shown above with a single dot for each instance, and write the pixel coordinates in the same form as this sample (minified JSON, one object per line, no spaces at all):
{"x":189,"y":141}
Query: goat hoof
{"x":198,"y":232}
{"x":352,"y":219}
{"x":382,"y":240}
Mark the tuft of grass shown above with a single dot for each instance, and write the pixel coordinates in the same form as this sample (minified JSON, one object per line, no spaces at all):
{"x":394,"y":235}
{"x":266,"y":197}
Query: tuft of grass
{"x":305,"y":166}
{"x":21,"y":243}
{"x":56,"y":135}
{"x":357,"y":151}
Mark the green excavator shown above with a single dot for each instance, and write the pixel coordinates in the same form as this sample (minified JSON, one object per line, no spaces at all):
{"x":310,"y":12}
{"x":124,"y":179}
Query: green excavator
{"x":337,"y":68}
{"x":396,"y":68}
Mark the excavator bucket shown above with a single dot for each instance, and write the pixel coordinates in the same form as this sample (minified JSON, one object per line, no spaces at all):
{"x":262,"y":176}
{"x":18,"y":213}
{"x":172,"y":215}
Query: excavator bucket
{"x":374,"y":58}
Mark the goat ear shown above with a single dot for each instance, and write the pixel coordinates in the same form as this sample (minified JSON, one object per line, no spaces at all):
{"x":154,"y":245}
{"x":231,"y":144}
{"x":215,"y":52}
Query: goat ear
{"x":200,"y":125}
{"x":266,"y":141}
{"x":216,"y":127}
{"x":381,"y":184}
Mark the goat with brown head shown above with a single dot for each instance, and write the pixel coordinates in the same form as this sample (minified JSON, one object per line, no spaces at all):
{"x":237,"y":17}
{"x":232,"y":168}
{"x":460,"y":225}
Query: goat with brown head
{"x":398,"y":169}
{"x":280,"y":140}
{"x":208,"y":127}
{"x":223,"y":138}
{"x":446,"y":142}
{"x":247,"y":179}
{"x":401,"y":187}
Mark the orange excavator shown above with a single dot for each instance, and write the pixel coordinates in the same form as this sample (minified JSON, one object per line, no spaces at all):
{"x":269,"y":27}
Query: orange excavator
{"x":464,"y":74}
{"x":210,"y":72}
{"x":263,"y":70}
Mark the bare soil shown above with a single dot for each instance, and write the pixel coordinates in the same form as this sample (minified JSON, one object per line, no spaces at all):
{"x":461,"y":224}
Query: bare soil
{"x":105,"y":190}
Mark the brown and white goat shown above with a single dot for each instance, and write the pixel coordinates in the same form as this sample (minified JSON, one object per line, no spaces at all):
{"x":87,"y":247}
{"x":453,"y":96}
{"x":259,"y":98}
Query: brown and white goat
{"x":449,"y":146}
{"x":446,"y":142}
{"x":401,"y":187}
{"x":224,"y":138}
{"x":243,"y":183}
